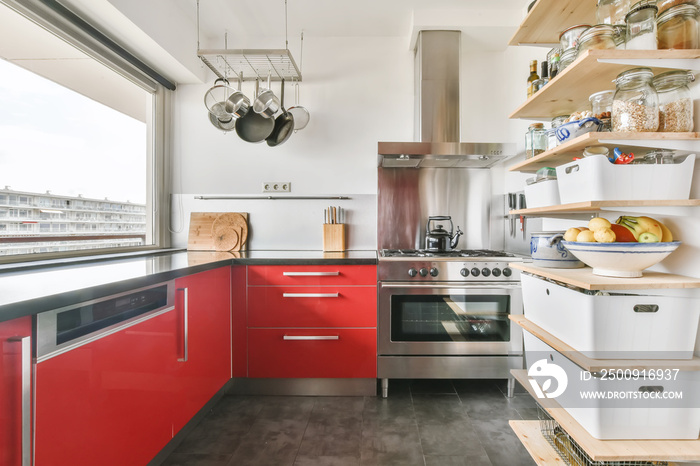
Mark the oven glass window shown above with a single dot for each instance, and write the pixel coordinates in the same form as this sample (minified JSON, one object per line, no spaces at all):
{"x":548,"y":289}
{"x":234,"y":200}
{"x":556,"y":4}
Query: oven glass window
{"x":450,"y":318}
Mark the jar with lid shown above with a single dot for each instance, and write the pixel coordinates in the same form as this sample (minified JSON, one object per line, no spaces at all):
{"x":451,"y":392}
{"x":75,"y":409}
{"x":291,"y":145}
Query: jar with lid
{"x":611,"y":11}
{"x":569,"y":37}
{"x":559,"y":120}
{"x":567,"y":58}
{"x":675,"y":102}
{"x":664,"y":5}
{"x":677,"y":27}
{"x":600,"y":36}
{"x":595,"y":150}
{"x":619,"y":35}
{"x":535,"y":140}
{"x":601,"y":106}
{"x":635,"y":106}
{"x":641,"y":27}
{"x":664,"y":156}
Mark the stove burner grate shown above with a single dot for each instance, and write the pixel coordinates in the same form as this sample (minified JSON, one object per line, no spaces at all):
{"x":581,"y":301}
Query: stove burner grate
{"x":458,"y":253}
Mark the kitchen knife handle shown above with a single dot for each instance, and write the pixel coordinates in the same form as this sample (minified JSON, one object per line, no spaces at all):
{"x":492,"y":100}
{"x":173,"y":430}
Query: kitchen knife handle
{"x":311,"y":337}
{"x":26,"y":397}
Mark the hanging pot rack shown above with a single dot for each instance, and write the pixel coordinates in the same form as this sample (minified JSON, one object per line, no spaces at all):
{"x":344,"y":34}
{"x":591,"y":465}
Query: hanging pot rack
{"x":253,"y":63}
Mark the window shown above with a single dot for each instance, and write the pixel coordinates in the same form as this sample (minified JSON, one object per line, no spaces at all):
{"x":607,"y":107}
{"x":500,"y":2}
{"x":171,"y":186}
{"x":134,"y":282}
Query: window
{"x":80,"y":129}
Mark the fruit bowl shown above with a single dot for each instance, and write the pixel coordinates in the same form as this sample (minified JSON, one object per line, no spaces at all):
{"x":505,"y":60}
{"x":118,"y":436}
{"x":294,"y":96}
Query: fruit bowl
{"x":620,"y":259}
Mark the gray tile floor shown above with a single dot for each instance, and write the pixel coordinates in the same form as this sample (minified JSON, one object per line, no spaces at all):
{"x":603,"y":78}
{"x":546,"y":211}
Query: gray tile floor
{"x":423,"y":422}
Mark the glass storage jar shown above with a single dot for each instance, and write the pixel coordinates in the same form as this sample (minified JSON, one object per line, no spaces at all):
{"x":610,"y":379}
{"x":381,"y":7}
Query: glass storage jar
{"x":611,"y":11}
{"x":635,"y":104}
{"x":675,"y":102}
{"x":569,"y":37}
{"x":659,"y":156}
{"x":567,"y":58}
{"x":677,"y":27}
{"x":600,"y":36}
{"x":535,"y":140}
{"x":601,"y":106}
{"x":641,"y":28}
{"x":553,"y":60}
{"x":552,"y":140}
{"x":619,"y":34}
{"x":664,"y":5}
{"x":559,"y":120}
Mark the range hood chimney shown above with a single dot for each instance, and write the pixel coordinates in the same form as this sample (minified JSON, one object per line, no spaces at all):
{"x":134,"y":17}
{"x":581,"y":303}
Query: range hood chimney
{"x":437,"y":113}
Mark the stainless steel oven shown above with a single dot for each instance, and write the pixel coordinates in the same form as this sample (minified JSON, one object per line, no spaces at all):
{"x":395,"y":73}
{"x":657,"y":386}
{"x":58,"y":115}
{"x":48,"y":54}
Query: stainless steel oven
{"x":446,"y":315}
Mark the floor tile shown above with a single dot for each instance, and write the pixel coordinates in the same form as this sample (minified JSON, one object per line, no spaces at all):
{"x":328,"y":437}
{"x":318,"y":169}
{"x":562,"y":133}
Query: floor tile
{"x":438,"y":409}
{"x":455,"y":438}
{"x":332,"y":440}
{"x":270,"y":442}
{"x":390,"y":443}
{"x":397,"y":410}
{"x":501,"y":444}
{"x":443,"y":460}
{"x":327,"y":461}
{"x":196,"y":459}
{"x":216,"y":435}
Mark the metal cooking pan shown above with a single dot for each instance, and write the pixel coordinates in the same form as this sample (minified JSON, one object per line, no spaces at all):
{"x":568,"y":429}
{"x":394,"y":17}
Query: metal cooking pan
{"x":284,"y":125}
{"x":253,"y":127}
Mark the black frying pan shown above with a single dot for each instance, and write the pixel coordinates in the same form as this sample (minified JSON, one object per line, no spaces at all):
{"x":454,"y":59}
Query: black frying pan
{"x":284,"y":125}
{"x":253,"y":127}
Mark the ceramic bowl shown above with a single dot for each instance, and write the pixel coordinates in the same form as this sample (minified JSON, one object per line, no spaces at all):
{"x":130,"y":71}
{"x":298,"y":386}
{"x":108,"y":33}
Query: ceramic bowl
{"x":574,"y":129}
{"x":620,"y":259}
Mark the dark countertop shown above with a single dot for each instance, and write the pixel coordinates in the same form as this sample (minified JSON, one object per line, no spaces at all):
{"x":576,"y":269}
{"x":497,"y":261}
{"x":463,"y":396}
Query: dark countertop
{"x":30,"y":290}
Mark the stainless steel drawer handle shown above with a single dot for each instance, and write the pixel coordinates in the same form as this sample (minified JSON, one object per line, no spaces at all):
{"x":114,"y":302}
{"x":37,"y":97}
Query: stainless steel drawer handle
{"x":310,"y":274}
{"x":311,"y":337}
{"x":26,"y":398}
{"x":310,"y":295}
{"x":185,"y":325}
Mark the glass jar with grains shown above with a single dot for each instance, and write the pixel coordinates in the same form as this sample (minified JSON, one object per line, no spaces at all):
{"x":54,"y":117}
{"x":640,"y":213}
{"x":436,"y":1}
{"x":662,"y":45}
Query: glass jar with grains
{"x":535,"y":140}
{"x":611,"y":11}
{"x":601,"y":105}
{"x":641,"y":28}
{"x":600,"y":36}
{"x":635,"y":104}
{"x":675,"y":102}
{"x":677,"y":27}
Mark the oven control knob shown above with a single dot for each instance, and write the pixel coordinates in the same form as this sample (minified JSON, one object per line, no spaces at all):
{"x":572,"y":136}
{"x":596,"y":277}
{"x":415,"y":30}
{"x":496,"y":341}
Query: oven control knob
{"x":412,"y":272}
{"x":464,"y":272}
{"x":507,"y":272}
{"x":433,"y":272}
{"x":485,"y":272}
{"x":496,"y":272}
{"x":423,"y":272}
{"x":475,"y":272}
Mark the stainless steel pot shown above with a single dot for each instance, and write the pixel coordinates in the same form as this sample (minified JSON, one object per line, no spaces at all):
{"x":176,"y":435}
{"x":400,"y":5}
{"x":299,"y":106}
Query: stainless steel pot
{"x":266,"y":103}
{"x":439,"y":239}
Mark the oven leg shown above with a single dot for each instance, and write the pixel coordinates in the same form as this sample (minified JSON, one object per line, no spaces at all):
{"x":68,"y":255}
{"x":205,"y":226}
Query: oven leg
{"x":511,"y":387}
{"x":385,"y":388}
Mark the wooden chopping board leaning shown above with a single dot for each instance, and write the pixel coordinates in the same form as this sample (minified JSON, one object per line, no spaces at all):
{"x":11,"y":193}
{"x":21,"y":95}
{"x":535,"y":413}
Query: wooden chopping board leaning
{"x":218,"y":231}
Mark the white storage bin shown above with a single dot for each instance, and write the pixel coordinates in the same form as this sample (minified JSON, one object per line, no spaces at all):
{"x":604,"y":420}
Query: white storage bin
{"x":621,"y":410}
{"x":613,"y":326}
{"x":594,"y":178}
{"x":542,"y":194}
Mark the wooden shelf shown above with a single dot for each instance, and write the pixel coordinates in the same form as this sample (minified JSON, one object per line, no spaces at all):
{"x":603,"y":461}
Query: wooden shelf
{"x":584,"y":278}
{"x":597,"y":365}
{"x":598,"y":206}
{"x":548,"y":18}
{"x":534,"y":442}
{"x":614,"y":450}
{"x":635,"y":142}
{"x":594,"y":71}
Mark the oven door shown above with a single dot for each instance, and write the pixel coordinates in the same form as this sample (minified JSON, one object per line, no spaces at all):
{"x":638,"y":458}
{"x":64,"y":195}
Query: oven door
{"x":446,"y":319}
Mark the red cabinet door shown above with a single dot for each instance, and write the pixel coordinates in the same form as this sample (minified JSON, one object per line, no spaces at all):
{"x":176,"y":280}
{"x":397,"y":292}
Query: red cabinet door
{"x":312,"y":353}
{"x":108,"y":402}
{"x":15,"y":390}
{"x":298,"y":306}
{"x":205,"y":299}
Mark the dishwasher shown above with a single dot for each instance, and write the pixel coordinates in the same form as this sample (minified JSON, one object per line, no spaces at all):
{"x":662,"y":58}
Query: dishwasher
{"x":103,"y":377}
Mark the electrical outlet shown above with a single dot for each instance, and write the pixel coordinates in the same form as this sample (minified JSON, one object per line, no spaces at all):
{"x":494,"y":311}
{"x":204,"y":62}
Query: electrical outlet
{"x":277,"y":187}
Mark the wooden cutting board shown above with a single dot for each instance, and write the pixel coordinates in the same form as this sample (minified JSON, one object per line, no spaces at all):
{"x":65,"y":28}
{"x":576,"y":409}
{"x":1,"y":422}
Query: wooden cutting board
{"x":218,"y":231}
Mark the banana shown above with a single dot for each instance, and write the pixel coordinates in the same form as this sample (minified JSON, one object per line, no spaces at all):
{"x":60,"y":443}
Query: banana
{"x":639,"y":225}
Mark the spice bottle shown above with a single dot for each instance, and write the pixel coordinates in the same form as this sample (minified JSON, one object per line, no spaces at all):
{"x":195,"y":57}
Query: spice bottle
{"x":675,"y":102}
{"x":533,"y":77}
{"x":677,"y":27}
{"x":539,"y":83}
{"x":535,"y":140}
{"x":635,"y":102}
{"x":641,"y":28}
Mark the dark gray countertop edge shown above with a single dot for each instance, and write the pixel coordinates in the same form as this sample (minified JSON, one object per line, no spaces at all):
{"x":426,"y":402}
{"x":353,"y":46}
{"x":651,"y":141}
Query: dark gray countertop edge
{"x":33,"y":306}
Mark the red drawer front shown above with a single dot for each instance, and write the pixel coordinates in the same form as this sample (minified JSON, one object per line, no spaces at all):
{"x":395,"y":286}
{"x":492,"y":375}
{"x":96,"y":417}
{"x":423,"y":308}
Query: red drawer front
{"x":345,"y":353}
{"x":310,"y":275}
{"x":296,"y":306}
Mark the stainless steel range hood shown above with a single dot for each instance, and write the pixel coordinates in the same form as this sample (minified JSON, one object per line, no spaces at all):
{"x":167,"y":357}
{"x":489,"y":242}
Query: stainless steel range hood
{"x":437,"y":113}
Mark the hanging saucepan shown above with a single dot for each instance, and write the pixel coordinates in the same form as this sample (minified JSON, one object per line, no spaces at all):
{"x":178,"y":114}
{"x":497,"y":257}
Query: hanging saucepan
{"x":238,"y":104}
{"x":266,"y":103}
{"x":284,"y":125}
{"x":216,"y":97}
{"x":301,"y":114}
{"x":253,"y":127}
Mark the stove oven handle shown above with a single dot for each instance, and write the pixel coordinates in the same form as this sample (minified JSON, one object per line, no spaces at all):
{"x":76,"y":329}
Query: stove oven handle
{"x":453,"y":286}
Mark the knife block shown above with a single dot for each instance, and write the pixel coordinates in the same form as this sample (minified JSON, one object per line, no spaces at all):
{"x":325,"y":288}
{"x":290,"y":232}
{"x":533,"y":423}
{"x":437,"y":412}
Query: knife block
{"x":334,"y":237}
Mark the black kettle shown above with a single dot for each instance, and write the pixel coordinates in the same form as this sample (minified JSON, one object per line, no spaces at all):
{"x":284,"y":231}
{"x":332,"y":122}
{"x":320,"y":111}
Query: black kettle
{"x":439,"y":239}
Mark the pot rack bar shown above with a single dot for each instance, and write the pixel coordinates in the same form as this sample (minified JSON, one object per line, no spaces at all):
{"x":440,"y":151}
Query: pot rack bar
{"x":253,"y":63}
{"x":273,"y":198}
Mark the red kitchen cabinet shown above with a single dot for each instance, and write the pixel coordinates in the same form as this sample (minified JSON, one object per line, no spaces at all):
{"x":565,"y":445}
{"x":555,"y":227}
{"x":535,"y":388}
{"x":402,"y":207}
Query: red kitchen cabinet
{"x":108,"y":402}
{"x":15,"y":391}
{"x":205,"y":299}
{"x":313,"y":321}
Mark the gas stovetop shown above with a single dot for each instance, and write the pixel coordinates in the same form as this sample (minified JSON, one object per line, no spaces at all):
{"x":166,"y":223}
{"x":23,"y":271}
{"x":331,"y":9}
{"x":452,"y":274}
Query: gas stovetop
{"x":411,"y":253}
{"x":419,"y":265}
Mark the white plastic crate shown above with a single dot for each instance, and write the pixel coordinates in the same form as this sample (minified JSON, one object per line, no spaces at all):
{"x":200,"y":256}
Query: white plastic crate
{"x":542,"y":194}
{"x":594,"y":178}
{"x":622,"y":411}
{"x":613,"y":326}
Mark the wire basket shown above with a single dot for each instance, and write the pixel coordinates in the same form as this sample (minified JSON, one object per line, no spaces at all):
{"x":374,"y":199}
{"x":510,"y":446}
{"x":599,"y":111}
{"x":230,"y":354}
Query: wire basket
{"x":571,"y":452}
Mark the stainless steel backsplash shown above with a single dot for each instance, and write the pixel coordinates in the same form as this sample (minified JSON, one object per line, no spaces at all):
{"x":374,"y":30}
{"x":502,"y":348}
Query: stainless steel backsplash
{"x":407,"y":197}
